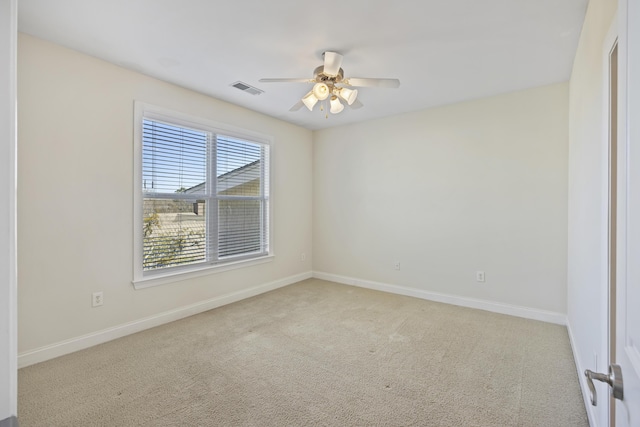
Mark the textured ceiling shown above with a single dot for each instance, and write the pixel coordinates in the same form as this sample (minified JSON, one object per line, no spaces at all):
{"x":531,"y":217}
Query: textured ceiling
{"x":443,"y":51}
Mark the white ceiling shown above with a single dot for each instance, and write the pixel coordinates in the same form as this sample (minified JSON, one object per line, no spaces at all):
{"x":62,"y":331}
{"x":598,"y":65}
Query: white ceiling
{"x":443,"y":51}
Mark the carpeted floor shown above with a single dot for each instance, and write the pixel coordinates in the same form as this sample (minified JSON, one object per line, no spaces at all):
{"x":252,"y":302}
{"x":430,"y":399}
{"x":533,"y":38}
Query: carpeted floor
{"x":316,"y":354}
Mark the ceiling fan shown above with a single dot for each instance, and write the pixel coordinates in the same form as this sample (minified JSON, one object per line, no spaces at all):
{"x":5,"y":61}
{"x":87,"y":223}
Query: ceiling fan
{"x":331,"y":86}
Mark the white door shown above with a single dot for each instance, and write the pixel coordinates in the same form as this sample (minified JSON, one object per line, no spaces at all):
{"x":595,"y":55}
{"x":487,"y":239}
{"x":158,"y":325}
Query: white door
{"x":624,"y":216}
{"x":628,"y":280}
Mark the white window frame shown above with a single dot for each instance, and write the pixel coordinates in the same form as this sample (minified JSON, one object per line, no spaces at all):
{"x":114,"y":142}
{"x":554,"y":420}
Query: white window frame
{"x":145,"y":279}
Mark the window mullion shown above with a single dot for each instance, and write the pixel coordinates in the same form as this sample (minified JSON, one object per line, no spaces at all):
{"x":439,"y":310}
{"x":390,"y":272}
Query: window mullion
{"x":264,"y":189}
{"x":212,"y":208}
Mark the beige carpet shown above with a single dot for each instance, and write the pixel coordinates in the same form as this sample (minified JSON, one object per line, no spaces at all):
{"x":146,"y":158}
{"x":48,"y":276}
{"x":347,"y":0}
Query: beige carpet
{"x":316,"y":354}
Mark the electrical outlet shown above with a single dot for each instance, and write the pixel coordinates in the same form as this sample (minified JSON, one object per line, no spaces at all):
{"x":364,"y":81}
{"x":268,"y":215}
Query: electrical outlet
{"x":479,"y":276}
{"x":303,"y":256}
{"x":396,"y":265}
{"x":97,"y":299}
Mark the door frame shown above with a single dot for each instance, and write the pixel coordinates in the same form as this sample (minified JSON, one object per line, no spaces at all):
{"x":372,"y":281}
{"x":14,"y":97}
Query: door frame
{"x":8,"y":266}
{"x":603,"y":413}
{"x":629,"y":103}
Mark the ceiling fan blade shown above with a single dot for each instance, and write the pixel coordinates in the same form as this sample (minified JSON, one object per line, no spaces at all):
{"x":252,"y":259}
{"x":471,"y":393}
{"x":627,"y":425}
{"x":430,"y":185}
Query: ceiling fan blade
{"x":363,"y":82}
{"x":332,"y":63}
{"x":286,"y":80}
{"x":297,"y":106}
{"x":356,"y":104}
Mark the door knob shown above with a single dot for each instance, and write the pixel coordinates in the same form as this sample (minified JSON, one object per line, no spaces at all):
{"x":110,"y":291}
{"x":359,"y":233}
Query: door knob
{"x":614,"y":379}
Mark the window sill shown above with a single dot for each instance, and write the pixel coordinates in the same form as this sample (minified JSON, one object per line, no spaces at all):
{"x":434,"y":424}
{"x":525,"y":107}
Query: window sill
{"x":165,"y":278}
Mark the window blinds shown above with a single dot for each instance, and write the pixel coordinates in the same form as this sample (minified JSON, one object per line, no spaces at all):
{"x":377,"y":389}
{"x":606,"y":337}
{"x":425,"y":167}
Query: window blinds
{"x":174,"y":159}
{"x":190,"y":218}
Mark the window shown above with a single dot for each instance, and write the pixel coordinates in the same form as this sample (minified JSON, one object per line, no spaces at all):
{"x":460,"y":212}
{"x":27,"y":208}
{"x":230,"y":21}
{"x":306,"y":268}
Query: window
{"x":203,"y":195}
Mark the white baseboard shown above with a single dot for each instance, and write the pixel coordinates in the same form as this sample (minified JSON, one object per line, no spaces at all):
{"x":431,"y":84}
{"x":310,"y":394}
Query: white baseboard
{"x":496,"y":307}
{"x":581,"y":379}
{"x":79,"y":343}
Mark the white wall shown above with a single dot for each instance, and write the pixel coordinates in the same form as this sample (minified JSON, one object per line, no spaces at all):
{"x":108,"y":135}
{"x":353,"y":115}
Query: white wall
{"x":75,"y":195}
{"x":8,"y":325}
{"x":587,"y":195}
{"x":448,"y":191}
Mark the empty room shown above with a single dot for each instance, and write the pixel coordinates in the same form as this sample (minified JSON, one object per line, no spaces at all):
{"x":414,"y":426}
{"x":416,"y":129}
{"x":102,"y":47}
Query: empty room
{"x":356,"y":213}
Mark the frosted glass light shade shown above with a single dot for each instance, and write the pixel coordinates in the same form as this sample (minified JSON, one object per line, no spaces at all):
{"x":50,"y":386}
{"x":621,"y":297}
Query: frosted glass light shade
{"x":309,"y":100}
{"x":349,"y":95}
{"x":321,"y":91}
{"x":336,"y":105}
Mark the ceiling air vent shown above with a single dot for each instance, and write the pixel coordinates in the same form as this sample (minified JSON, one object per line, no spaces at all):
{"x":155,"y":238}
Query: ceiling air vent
{"x":247,"y":88}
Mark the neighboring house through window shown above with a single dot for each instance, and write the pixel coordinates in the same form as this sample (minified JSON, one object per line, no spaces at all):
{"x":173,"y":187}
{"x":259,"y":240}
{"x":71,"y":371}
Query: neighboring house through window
{"x":203,"y":194}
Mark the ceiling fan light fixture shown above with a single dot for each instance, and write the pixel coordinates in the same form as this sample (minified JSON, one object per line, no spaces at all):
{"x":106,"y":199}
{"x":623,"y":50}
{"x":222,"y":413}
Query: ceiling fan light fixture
{"x":336,"y":105}
{"x":321,"y":91}
{"x":309,"y":100}
{"x":349,"y":95}
{"x":331,"y":89}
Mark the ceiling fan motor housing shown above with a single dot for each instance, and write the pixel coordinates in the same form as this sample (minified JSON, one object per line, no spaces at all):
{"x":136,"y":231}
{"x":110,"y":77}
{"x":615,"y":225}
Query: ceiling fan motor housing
{"x":320,"y":76}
